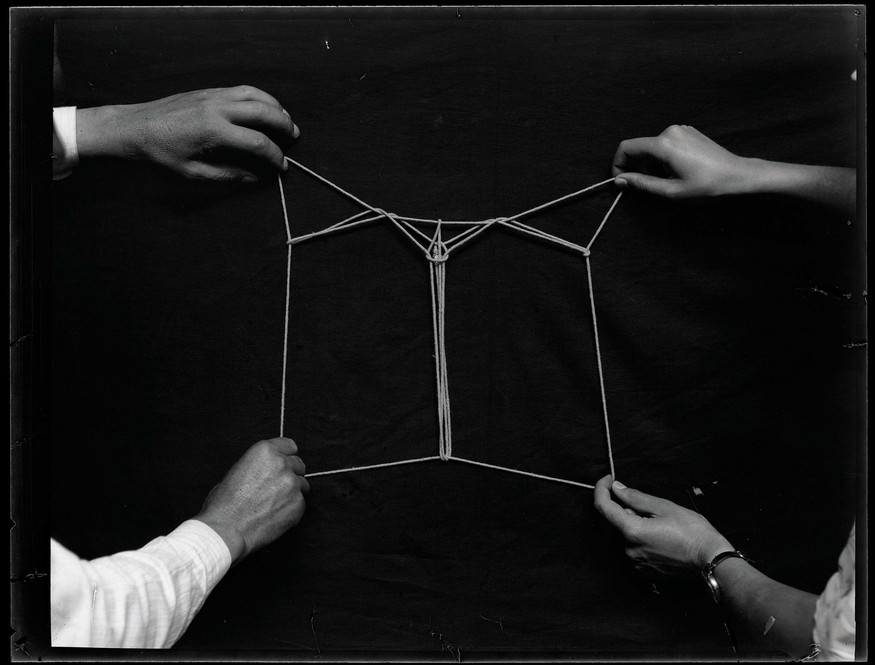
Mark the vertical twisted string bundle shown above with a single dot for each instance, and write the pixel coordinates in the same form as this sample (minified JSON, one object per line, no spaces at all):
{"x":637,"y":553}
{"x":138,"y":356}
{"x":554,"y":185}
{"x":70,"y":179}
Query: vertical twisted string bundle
{"x":437,"y":257}
{"x":437,"y":251}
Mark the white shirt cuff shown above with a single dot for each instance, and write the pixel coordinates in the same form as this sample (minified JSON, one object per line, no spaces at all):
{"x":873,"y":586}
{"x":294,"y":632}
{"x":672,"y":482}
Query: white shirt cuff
{"x":65,"y":150}
{"x":209,"y":545}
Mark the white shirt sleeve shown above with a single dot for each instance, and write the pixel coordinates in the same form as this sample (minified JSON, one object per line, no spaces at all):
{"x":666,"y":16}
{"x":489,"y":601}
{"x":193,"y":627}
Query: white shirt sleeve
{"x":65,"y":150}
{"x":140,"y":599}
{"x":835,"y":623}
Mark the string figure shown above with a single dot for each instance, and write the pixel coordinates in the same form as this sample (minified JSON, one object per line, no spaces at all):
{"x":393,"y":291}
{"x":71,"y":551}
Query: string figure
{"x":437,"y":252}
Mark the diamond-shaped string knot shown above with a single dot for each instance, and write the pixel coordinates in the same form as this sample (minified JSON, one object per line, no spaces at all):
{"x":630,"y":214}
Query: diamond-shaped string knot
{"x":439,"y":253}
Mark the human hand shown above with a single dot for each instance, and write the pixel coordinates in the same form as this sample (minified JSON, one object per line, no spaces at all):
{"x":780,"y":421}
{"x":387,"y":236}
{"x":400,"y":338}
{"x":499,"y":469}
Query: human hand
{"x":660,"y":534}
{"x":680,"y":163}
{"x":259,"y":499}
{"x":219,"y":134}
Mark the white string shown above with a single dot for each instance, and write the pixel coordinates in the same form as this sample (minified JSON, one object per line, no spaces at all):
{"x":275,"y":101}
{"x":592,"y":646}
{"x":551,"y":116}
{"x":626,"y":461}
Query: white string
{"x":529,"y":230}
{"x":288,"y":295}
{"x":598,"y":357}
{"x":478,"y":226}
{"x":373,"y":466}
{"x":437,"y":251}
{"x":347,"y":223}
{"x":522,"y":473}
{"x":607,"y":214}
{"x":437,"y":272}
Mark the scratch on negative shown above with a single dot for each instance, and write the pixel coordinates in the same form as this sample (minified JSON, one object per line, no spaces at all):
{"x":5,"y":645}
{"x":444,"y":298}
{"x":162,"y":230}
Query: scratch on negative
{"x":446,"y":646}
{"x":29,"y":577}
{"x":18,"y":341}
{"x":297,"y":644}
{"x":830,"y":293}
{"x":93,"y":602}
{"x":21,"y":645}
{"x":313,"y":628}
{"x":500,"y":621}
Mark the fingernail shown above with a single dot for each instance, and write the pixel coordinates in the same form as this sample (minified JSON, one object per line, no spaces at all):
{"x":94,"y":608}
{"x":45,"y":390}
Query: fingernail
{"x":618,"y":485}
{"x":295,"y":131}
{"x":286,"y":112}
{"x":622,"y":184}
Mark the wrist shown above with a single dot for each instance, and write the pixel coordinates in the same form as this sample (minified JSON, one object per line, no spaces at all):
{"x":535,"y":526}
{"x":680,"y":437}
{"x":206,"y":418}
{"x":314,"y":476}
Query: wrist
{"x":748,"y":175}
{"x":101,"y":132}
{"x":235,"y":543}
{"x":722,"y":560}
{"x":708,"y":551}
{"x":766,"y":177}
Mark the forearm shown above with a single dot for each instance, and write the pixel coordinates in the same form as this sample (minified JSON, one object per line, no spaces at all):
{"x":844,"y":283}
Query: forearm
{"x":772,"y":616}
{"x":138,"y":599}
{"x":830,"y":186}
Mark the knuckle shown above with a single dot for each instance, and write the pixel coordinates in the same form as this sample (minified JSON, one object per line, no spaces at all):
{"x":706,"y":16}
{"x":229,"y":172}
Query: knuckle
{"x":287,"y":481}
{"x":260,"y":143}
{"x":663,"y":141}
{"x":263,"y":448}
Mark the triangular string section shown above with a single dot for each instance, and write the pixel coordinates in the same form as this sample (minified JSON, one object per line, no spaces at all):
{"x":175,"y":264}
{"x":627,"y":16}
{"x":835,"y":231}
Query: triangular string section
{"x":437,"y":251}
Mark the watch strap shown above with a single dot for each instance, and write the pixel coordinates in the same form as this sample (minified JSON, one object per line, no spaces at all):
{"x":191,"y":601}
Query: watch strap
{"x":708,"y":570}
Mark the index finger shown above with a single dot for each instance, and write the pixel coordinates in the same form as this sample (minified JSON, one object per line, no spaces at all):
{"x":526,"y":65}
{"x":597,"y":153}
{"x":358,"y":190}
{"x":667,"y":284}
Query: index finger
{"x":610,"y":510}
{"x":257,"y":114}
{"x":645,"y":147}
{"x":252,"y":143}
{"x":248,"y":93}
{"x":284,"y":445}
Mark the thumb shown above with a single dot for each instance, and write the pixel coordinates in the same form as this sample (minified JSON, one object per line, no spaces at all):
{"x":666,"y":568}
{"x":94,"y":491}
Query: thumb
{"x":644,"y":504}
{"x":667,"y":187}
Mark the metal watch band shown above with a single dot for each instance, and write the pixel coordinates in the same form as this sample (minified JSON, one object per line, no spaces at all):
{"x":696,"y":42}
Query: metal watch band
{"x":708,"y":570}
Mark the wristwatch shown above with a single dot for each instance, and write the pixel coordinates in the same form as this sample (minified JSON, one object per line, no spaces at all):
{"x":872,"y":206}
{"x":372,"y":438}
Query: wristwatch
{"x":708,"y":570}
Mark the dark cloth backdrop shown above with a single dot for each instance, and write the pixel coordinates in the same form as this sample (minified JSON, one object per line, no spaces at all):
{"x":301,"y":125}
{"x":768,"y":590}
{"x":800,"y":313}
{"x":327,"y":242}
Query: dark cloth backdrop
{"x":723,"y":326}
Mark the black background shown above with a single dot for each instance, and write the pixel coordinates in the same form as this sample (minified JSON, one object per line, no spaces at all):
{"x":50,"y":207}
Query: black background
{"x":723,"y":327}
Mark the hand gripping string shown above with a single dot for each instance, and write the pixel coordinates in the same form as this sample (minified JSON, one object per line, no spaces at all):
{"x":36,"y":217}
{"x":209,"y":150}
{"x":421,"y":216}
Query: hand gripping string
{"x":437,"y":251}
